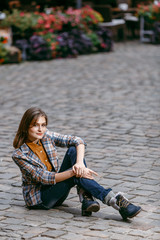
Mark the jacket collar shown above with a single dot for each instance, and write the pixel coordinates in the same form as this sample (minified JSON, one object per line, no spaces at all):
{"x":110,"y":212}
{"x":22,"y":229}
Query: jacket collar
{"x":27,"y":151}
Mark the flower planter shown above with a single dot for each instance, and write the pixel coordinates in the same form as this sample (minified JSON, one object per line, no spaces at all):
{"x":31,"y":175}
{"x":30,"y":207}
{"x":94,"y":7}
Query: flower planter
{"x":58,"y":34}
{"x":14,"y":55}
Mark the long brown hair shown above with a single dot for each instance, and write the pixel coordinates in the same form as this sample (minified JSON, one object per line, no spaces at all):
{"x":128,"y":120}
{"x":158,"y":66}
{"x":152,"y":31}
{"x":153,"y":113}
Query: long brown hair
{"x":22,"y":133}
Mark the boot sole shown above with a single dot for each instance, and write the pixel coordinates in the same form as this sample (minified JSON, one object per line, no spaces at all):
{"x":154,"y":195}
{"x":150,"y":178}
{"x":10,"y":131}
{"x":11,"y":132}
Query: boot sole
{"x":93,"y":208}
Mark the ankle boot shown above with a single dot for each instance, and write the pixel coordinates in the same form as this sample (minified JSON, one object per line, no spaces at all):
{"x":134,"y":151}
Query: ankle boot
{"x":89,"y":205}
{"x":126,"y":209}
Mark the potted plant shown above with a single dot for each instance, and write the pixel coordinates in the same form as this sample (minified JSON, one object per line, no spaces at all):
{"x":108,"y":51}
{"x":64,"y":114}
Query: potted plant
{"x":22,"y":23}
{"x":150,"y":13}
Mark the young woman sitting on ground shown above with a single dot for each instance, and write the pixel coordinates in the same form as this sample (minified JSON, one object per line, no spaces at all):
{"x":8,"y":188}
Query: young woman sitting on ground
{"x":45,"y":183}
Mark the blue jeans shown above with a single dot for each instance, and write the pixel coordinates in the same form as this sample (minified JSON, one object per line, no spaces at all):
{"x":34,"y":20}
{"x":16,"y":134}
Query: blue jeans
{"x":55,"y":195}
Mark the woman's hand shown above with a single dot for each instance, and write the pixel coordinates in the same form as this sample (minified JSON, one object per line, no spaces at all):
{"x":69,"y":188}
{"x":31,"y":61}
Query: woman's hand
{"x":88,"y":173}
{"x":78,"y":169}
{"x":82,"y":171}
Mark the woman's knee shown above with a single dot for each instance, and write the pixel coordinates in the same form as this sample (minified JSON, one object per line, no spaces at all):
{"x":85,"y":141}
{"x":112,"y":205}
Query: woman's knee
{"x":72,"y":151}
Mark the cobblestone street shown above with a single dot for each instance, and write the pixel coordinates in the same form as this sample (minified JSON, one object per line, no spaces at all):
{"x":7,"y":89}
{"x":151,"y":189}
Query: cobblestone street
{"x":112,"y":100}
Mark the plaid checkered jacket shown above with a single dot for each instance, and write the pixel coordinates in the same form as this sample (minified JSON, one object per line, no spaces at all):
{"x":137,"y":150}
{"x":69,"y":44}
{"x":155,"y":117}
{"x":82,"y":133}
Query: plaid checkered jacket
{"x":34,"y":172}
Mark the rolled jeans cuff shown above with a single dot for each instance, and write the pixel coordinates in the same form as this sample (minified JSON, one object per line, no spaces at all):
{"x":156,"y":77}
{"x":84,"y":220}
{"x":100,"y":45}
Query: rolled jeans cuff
{"x":108,"y":197}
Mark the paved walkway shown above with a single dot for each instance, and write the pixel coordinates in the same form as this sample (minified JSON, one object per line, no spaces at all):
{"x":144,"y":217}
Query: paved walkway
{"x":112,"y":100}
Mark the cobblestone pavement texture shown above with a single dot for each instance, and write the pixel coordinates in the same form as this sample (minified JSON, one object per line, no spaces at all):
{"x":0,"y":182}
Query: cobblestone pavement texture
{"x":112,"y":100}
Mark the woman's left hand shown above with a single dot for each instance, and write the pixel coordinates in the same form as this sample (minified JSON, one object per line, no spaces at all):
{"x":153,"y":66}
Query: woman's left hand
{"x":88,"y":173}
{"x":78,"y":169}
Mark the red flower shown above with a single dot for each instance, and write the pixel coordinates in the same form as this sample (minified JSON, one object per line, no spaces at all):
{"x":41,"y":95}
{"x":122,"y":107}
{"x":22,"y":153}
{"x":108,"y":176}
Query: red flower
{"x":4,"y":41}
{"x":1,"y":60}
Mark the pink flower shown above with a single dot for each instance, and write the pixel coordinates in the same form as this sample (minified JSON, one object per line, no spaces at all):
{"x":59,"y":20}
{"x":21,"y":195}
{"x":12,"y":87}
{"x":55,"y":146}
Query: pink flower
{"x":53,"y":47}
{"x":47,"y":25}
{"x":51,"y":30}
{"x":40,"y":21}
{"x":21,"y":14}
{"x":103,"y":45}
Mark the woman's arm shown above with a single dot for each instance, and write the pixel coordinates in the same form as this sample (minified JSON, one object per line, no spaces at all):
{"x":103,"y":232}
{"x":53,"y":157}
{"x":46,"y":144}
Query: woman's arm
{"x":59,"y":177}
{"x":62,"y":140}
{"x":87,"y":173}
{"x":67,"y":141}
{"x":33,"y":172}
{"x":80,"y":153}
{"x":79,"y":167}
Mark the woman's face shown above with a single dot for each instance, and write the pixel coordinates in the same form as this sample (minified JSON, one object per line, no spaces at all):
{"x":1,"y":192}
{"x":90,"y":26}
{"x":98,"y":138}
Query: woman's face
{"x":37,"y":129}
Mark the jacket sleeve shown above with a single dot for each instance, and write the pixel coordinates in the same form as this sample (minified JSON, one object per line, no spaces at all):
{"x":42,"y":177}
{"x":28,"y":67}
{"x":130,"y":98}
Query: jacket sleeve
{"x":33,"y":172}
{"x":61,"y":140}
